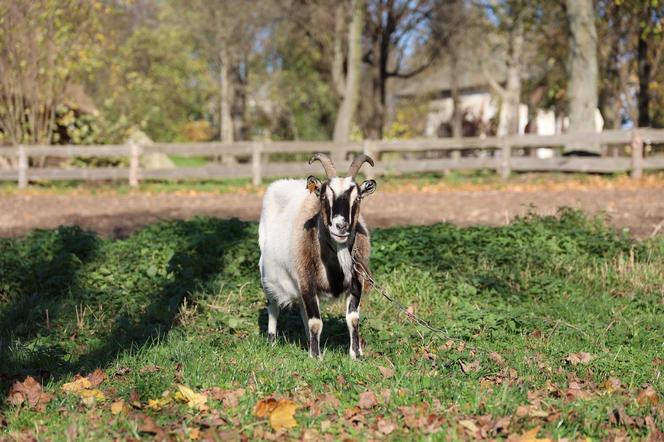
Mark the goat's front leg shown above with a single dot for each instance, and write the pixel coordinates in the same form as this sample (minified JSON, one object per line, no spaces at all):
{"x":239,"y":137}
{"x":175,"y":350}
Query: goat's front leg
{"x":353,"y":317}
{"x":314,"y":323}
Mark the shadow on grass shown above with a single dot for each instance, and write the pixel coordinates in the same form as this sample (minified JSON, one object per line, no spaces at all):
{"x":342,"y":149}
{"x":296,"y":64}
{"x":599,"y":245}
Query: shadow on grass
{"x":55,"y":283}
{"x":291,"y":329}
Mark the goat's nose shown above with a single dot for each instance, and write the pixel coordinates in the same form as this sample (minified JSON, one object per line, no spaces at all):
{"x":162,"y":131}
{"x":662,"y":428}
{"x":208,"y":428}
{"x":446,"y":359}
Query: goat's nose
{"x":341,"y":225}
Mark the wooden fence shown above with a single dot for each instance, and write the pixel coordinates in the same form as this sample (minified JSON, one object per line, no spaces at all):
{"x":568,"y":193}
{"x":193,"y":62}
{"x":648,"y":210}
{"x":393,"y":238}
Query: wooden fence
{"x":258,"y":160}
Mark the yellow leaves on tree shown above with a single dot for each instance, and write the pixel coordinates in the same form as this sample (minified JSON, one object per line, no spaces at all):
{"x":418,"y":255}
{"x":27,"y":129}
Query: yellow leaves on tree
{"x":280,"y":412}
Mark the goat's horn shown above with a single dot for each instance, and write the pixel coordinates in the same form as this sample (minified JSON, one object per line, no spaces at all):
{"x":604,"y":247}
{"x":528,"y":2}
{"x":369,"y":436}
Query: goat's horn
{"x":357,"y":163}
{"x":330,"y":171}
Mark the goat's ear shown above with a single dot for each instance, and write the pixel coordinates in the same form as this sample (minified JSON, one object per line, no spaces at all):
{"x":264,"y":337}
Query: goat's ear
{"x":367,"y":188}
{"x":313,"y":185}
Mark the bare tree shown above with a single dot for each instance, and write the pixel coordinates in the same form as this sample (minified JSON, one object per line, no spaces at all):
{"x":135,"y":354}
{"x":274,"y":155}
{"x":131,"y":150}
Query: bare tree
{"x":348,"y":85}
{"x":394,"y":29}
{"x":43,"y":45}
{"x":512,"y":16}
{"x":582,"y":83}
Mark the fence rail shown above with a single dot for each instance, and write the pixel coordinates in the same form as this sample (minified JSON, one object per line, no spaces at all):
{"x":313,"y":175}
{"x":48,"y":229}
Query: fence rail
{"x":253,"y":159}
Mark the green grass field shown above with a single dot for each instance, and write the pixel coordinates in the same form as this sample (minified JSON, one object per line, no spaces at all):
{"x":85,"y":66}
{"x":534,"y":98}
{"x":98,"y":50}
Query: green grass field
{"x":562,"y":321}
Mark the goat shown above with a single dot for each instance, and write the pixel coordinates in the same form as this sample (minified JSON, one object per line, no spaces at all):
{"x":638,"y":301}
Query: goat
{"x":309,"y":233}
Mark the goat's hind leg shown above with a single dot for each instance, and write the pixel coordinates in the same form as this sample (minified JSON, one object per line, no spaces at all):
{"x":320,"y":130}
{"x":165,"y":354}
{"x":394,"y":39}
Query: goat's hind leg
{"x":272,"y":316}
{"x":314,"y":325}
{"x":353,"y":319}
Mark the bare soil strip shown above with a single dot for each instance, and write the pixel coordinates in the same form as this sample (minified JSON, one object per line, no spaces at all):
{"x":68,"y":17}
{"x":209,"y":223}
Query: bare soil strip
{"x":641,"y":210}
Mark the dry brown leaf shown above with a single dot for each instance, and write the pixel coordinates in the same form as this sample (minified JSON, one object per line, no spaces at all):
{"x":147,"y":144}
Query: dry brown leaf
{"x":264,"y":407}
{"x":194,"y":400}
{"x":96,"y":378}
{"x":575,"y":391}
{"x":530,"y":436}
{"x":497,"y":358}
{"x":469,"y":425}
{"x":230,"y":398}
{"x":448,"y":345}
{"x":386,"y":427}
{"x":283,"y":415}
{"x":612,"y":385}
{"x":579,"y":358}
{"x":31,"y":391}
{"x":367,"y":400}
{"x":471,"y":367}
{"x":148,"y":425}
{"x":648,"y":396}
{"x":386,"y":372}
{"x":150,"y":369}
{"x":618,"y":417}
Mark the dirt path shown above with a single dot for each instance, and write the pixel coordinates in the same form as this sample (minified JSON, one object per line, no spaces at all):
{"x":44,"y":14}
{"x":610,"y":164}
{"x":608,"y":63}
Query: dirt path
{"x":641,"y":209}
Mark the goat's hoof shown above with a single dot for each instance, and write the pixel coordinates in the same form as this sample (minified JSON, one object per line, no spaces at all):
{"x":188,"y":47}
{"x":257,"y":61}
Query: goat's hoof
{"x":271,"y":338}
{"x":355,"y":356}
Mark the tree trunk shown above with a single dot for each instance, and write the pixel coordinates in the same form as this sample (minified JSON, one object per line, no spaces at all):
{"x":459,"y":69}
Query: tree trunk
{"x":582,"y":83}
{"x":344,"y":122}
{"x":644,"y":69}
{"x":508,"y":124}
{"x":457,"y":111}
{"x":225,"y":118}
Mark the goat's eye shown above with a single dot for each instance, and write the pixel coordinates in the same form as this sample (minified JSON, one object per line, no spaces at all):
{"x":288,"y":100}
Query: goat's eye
{"x":323,"y":197}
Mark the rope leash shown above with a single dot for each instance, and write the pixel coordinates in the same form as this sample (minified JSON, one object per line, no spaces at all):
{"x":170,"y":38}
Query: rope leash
{"x":362,"y":270}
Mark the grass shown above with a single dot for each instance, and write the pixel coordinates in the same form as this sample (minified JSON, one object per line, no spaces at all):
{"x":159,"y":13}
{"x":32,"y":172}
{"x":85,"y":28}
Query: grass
{"x":180,"y":302}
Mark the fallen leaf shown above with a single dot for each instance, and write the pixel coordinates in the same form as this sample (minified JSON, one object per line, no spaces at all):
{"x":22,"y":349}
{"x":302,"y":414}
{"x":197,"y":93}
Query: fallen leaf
{"x":282,"y":415}
{"x":150,"y":369}
{"x":96,"y":378}
{"x":367,"y":400}
{"x":31,"y":391}
{"x":121,"y":371}
{"x":264,"y":407}
{"x":230,"y":398}
{"x":612,"y":385}
{"x":386,"y":427}
{"x":148,"y":425}
{"x":118,"y":407}
{"x":159,"y":403}
{"x":325,"y":425}
{"x":194,"y":434}
{"x":448,"y":345}
{"x":575,"y":391}
{"x":472,"y":367}
{"x":500,"y":427}
{"x":530,"y":436}
{"x":579,"y":358}
{"x":648,"y":396}
{"x":194,"y":400}
{"x":497,"y":358}
{"x":79,"y":383}
{"x":618,"y":417}
{"x":470,"y":426}
{"x":386,"y":372}
{"x":95,"y":394}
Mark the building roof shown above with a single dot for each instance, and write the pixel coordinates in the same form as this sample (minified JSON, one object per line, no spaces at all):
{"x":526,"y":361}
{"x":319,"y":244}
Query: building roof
{"x":438,"y":78}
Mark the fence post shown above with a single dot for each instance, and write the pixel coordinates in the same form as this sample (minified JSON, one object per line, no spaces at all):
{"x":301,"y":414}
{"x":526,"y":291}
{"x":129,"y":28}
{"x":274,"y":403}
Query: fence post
{"x":368,"y":148}
{"x":134,"y":163}
{"x":23,"y":165}
{"x":637,"y":155}
{"x":505,"y":166}
{"x":256,"y":173}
